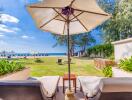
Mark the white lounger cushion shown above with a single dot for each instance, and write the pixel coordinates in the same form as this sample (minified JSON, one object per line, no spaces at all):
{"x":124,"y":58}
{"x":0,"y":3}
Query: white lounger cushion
{"x":49,"y":84}
{"x":90,"y":84}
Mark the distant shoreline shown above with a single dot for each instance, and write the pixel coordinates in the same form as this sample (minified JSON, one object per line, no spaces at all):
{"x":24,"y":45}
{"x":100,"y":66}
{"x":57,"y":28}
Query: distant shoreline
{"x":31,"y":55}
{"x":35,"y":56}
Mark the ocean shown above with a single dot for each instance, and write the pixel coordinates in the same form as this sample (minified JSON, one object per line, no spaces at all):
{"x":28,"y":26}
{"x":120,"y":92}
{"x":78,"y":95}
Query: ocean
{"x":30,"y":54}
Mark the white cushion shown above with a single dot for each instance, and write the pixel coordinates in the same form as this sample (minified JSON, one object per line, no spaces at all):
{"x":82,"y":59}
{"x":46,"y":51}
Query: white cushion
{"x":90,"y":84}
{"x":49,"y":85}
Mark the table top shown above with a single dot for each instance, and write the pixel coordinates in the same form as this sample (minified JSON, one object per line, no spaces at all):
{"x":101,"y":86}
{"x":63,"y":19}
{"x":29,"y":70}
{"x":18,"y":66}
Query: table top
{"x":73,"y":77}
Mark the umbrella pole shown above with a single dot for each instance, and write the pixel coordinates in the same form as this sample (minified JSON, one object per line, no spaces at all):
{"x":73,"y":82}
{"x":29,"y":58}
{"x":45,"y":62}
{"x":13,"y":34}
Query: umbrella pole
{"x":69,"y":94}
{"x":68,"y":41}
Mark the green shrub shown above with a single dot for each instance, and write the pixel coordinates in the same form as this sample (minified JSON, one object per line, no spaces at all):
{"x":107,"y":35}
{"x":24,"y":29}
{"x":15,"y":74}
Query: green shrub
{"x":108,"y":71}
{"x":112,"y":57}
{"x":38,"y":60}
{"x":105,"y":50}
{"x":9,"y":67}
{"x":126,"y":64}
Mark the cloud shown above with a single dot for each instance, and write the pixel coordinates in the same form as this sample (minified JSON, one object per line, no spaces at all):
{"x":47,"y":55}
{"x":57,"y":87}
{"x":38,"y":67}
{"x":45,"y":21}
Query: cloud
{"x":27,"y":37}
{"x":2,"y":42}
{"x":2,"y":35}
{"x":16,"y":29}
{"x":8,"y":18}
{"x":4,"y":28}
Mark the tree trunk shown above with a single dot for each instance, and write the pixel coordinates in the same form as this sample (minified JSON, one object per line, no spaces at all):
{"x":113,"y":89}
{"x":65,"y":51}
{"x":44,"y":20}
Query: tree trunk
{"x":72,"y":51}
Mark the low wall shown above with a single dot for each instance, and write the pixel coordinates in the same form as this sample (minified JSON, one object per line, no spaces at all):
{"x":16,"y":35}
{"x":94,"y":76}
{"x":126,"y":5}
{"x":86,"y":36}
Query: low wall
{"x":122,"y":49}
{"x":102,"y":63}
{"x":117,"y":72}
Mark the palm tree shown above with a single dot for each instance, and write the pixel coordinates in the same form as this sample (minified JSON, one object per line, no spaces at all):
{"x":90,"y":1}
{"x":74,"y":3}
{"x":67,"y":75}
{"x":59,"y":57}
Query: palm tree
{"x":85,"y":40}
{"x":79,"y":40}
{"x":62,"y":41}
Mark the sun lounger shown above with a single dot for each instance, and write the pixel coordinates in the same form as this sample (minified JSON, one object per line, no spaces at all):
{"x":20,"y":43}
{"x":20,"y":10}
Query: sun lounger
{"x":49,"y":85}
{"x":115,"y":89}
{"x":59,"y":61}
{"x":20,"y":90}
{"x":43,"y":88}
{"x":89,"y":85}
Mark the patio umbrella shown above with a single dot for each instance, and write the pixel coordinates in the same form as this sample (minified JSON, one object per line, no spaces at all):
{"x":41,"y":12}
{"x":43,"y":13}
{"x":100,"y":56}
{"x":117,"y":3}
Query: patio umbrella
{"x":67,"y":17}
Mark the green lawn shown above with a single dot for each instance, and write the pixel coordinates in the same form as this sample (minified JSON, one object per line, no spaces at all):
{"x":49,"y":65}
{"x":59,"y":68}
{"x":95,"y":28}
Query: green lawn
{"x":50,"y":67}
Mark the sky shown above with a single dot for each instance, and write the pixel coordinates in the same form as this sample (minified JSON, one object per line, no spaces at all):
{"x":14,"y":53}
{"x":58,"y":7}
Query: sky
{"x":19,"y":33}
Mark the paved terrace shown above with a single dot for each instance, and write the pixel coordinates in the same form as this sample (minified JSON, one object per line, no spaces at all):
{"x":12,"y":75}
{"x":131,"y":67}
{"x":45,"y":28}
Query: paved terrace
{"x":79,"y":95}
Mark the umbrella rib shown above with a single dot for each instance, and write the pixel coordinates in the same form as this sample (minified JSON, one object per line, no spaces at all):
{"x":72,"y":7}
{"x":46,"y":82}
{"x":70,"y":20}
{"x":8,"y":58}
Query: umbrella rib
{"x":59,"y":14}
{"x":92,"y":12}
{"x":72,"y":3}
{"x":60,"y":20}
{"x":44,"y":7}
{"x":48,"y":21}
{"x":74,"y":9}
{"x":80,"y":22}
{"x":76,"y":16}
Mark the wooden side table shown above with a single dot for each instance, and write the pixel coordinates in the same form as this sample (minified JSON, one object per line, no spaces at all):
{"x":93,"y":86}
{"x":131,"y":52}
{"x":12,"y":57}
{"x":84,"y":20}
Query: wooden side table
{"x":73,"y":78}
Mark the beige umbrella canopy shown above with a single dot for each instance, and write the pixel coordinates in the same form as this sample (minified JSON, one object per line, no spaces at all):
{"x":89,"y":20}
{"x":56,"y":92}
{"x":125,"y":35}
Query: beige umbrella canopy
{"x":67,"y":17}
{"x":85,"y":17}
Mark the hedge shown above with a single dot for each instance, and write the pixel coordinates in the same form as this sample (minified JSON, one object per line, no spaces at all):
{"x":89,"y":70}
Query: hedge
{"x":105,"y":50}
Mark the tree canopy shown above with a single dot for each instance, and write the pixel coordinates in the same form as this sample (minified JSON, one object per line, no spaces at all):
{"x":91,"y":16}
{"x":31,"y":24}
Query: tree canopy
{"x":120,"y":25}
{"x":81,"y":41}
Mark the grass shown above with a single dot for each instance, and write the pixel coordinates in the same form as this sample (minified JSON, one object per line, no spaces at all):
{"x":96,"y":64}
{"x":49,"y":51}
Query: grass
{"x":50,"y":67}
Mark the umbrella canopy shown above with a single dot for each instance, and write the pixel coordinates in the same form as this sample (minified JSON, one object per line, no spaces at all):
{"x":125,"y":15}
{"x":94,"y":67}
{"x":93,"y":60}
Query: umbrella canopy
{"x":85,"y":16}
{"x":67,"y":17}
